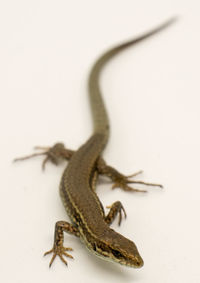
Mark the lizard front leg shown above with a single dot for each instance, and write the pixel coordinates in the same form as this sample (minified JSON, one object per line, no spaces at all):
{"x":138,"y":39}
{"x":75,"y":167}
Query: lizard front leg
{"x":58,"y":248}
{"x":115,"y":208}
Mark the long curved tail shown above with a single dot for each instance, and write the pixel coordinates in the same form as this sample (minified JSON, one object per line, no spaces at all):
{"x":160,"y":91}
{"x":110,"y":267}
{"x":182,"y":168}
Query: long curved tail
{"x":100,"y":117}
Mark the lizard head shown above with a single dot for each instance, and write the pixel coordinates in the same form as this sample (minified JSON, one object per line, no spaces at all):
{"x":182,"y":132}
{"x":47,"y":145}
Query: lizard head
{"x":115,"y":247}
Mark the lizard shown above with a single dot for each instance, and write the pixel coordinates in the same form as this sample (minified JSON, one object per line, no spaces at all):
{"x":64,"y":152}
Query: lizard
{"x":89,"y":221}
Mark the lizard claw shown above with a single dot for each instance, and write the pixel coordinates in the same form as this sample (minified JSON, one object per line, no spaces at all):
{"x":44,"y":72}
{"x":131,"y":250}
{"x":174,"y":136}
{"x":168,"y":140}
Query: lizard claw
{"x":125,"y":187}
{"x":59,"y":251}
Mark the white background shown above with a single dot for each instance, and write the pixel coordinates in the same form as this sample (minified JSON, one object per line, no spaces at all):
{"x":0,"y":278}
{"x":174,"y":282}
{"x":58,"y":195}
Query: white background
{"x":152,"y":94}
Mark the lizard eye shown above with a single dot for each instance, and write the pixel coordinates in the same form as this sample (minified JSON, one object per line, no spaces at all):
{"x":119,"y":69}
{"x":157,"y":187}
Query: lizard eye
{"x":94,"y":247}
{"x":116,"y":253}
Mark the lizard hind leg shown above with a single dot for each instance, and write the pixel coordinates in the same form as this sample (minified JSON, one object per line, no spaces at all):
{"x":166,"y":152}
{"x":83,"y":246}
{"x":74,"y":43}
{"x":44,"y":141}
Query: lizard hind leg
{"x":54,"y":154}
{"x":121,"y":181}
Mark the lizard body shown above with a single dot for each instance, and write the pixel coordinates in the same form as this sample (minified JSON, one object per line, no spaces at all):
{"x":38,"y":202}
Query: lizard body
{"x":77,"y":187}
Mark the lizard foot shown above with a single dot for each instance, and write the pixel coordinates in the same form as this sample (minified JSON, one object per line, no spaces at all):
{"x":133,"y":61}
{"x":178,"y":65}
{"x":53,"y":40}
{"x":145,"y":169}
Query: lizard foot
{"x":53,"y":154}
{"x":59,"y":251}
{"x":122,"y":182}
{"x":115,"y":208}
